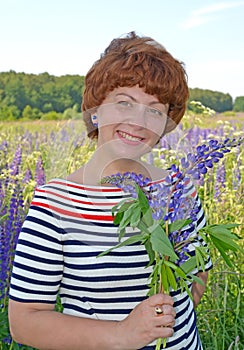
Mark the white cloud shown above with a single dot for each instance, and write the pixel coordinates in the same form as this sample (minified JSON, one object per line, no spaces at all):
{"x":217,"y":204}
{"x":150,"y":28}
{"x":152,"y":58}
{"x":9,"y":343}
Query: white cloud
{"x":204,"y":14}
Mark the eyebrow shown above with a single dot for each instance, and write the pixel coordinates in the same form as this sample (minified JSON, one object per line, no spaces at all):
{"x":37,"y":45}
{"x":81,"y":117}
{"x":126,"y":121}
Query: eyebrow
{"x":135,"y":100}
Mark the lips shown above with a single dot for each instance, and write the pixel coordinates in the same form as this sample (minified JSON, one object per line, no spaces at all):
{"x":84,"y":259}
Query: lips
{"x":129,"y":137}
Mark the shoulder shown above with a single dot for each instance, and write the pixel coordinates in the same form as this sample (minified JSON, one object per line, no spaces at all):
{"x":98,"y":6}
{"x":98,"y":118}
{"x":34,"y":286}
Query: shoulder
{"x":77,"y":176}
{"x":155,"y":173}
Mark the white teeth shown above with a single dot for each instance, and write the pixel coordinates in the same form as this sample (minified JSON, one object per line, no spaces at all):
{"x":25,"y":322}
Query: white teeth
{"x":129,"y":137}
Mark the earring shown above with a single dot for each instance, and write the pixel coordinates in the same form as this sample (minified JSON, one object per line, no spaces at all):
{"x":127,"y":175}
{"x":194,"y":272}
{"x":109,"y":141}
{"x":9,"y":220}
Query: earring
{"x":94,"y":120}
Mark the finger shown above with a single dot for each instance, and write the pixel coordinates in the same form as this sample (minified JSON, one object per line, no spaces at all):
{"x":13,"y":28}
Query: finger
{"x":164,"y":321}
{"x":160,"y":299}
{"x":161,"y":310}
{"x":163,"y":332}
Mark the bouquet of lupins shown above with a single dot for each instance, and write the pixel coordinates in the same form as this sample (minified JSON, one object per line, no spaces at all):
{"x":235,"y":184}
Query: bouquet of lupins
{"x":164,"y":214}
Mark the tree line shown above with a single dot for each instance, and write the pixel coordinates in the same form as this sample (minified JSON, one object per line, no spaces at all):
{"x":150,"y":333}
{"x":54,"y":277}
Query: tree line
{"x":44,"y":96}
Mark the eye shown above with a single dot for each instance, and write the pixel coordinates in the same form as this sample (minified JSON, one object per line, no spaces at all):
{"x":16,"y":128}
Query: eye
{"x":124,"y":103}
{"x":155,"y":112}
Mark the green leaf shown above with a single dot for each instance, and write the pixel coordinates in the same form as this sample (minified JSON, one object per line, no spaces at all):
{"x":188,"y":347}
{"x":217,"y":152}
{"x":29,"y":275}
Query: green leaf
{"x":178,"y":225}
{"x":200,"y":258}
{"x":171,"y":277}
{"x":161,"y":243}
{"x":143,"y":201}
{"x":219,"y":246}
{"x":150,"y":252}
{"x":222,"y":232}
{"x":178,"y":270}
{"x":226,"y":243}
{"x":121,"y":206}
{"x":135,"y":217}
{"x":147,"y":217}
{"x":118,"y":218}
{"x":197,"y":279}
{"x":164,"y":279}
{"x":189,"y":265}
{"x":131,"y":240}
{"x":122,"y":232}
{"x":127,"y":216}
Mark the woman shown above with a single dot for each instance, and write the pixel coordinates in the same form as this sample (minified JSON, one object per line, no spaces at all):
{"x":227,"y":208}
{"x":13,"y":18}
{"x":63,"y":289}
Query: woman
{"x":134,"y":94}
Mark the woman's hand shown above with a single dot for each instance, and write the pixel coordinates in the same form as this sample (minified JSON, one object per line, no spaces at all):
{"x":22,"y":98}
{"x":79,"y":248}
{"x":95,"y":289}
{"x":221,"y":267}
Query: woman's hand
{"x":29,"y":321}
{"x":198,"y":289}
{"x":143,"y":325}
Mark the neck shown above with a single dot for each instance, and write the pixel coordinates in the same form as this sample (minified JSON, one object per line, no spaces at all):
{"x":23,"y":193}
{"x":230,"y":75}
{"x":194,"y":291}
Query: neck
{"x":97,"y":168}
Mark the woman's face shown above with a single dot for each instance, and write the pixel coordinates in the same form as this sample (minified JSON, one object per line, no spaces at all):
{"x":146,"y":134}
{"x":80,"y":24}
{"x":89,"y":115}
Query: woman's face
{"x":130,"y":122}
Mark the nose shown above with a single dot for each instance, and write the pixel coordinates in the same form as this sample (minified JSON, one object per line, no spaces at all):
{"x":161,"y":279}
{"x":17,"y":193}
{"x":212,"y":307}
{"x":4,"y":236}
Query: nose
{"x":137,"y":116}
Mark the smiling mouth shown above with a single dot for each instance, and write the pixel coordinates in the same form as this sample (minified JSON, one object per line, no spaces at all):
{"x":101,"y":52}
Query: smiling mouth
{"x":129,"y":137}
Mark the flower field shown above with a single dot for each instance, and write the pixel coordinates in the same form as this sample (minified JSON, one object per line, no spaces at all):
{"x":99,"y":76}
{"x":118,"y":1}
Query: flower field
{"x":31,"y":154}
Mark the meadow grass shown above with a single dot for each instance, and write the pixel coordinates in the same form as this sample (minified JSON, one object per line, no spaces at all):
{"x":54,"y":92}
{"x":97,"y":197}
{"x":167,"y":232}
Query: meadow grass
{"x":32,"y":153}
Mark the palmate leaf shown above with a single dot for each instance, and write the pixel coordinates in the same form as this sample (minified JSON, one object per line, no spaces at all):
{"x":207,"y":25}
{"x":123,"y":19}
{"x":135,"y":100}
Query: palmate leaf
{"x":150,"y":252}
{"x":160,"y":242}
{"x":171,"y":277}
{"x":178,"y":225}
{"x":143,"y":201}
{"x":189,"y":265}
{"x":131,"y":240}
{"x":135,"y":217}
{"x":126,"y":219}
{"x":196,"y":279}
{"x":147,"y":217}
{"x":164,"y":279}
{"x":201,"y":257}
{"x":219,"y":245}
{"x":178,"y":270}
{"x":226,"y":242}
{"x":122,"y":206}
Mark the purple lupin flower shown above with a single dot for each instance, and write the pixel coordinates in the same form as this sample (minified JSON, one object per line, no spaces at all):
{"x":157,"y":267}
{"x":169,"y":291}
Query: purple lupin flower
{"x":14,"y":167}
{"x":9,"y":233}
{"x":28,"y":176}
{"x":39,"y":177}
{"x":237,"y":177}
{"x":219,"y":181}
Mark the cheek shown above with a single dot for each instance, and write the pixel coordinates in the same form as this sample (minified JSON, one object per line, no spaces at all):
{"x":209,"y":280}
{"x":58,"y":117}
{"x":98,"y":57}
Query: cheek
{"x":157,"y":126}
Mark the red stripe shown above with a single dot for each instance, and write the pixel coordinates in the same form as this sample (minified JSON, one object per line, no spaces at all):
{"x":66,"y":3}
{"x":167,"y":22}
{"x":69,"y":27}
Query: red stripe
{"x":73,"y":214}
{"x":109,"y":189}
{"x":75,"y":200}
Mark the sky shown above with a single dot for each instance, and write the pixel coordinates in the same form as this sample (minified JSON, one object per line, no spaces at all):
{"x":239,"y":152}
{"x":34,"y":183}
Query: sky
{"x":67,"y":36}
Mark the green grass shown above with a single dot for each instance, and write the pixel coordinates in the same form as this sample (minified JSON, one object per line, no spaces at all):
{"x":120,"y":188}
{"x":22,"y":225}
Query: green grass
{"x":221,"y":312}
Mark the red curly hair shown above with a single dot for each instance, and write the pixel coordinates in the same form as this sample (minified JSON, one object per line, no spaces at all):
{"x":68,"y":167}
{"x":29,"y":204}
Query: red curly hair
{"x":134,"y":60}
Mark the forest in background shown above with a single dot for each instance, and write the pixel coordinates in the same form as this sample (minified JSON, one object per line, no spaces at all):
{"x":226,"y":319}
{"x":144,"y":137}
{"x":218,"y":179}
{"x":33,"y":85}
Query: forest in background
{"x":48,"y":97}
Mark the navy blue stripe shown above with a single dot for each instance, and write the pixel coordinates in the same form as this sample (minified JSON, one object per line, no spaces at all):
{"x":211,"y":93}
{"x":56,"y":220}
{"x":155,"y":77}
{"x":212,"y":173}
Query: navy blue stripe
{"x":39,"y":258}
{"x":97,"y":311}
{"x":79,"y":221}
{"x":38,"y":271}
{"x":104,"y":290}
{"x":95,"y":254}
{"x":119,"y":299}
{"x":104,"y":265}
{"x":27,"y":291}
{"x":26,"y":300}
{"x":42,"y":223}
{"x":87,"y":193}
{"x":34,"y":281}
{"x":74,"y":205}
{"x":40,"y":247}
{"x":106,"y":278}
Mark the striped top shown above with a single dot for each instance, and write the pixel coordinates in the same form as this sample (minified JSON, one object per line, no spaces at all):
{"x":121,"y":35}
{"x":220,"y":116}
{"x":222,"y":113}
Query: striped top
{"x":67,"y":226}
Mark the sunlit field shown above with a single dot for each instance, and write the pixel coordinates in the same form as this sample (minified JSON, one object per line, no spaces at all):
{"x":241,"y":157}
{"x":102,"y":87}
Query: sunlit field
{"x":33,"y":153}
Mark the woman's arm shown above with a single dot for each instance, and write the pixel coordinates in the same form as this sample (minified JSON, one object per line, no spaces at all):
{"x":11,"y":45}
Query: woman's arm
{"x":197,"y":289}
{"x":38,"y":325}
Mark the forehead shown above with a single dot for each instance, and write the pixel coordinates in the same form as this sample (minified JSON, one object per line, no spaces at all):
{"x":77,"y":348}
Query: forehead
{"x":134,"y":93}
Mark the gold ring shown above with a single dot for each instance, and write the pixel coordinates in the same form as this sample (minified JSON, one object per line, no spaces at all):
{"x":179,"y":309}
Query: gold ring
{"x":158,"y":310}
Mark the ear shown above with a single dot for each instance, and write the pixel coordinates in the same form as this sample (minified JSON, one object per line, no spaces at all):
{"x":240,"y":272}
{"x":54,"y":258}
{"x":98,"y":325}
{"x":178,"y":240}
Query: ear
{"x":94,"y":120}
